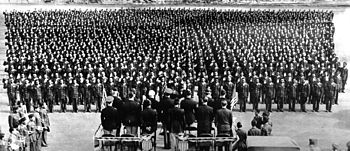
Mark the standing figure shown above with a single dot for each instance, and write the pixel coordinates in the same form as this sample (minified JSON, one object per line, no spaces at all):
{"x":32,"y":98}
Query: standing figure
{"x":99,"y":95}
{"x":63,"y":96}
{"x":305,"y":92}
{"x":270,"y":96}
{"x":176,"y":120}
{"x":87,"y":96}
{"x":75,"y":95}
{"x":344,"y":76}
{"x":164,"y":105}
{"x":27,"y":98}
{"x":256,"y":94}
{"x":319,"y":91}
{"x":293,"y":94}
{"x":281,"y":95}
{"x":50,"y":95}
{"x":243,"y":95}
{"x":45,"y":124}
{"x":189,"y":106}
{"x":330,"y":92}
{"x":38,"y":97}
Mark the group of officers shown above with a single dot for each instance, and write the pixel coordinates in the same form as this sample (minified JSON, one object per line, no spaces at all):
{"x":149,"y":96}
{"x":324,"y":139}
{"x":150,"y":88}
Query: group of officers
{"x":177,"y":114}
{"x":80,"y":57}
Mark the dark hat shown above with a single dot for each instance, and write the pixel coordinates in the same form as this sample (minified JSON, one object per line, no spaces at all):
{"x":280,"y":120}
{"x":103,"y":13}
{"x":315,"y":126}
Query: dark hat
{"x":109,"y":99}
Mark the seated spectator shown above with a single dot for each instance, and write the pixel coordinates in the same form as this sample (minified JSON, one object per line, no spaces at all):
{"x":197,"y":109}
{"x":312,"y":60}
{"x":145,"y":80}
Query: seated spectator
{"x":267,"y":125}
{"x":258,"y":119}
{"x":242,"y":142}
{"x":254,"y":131}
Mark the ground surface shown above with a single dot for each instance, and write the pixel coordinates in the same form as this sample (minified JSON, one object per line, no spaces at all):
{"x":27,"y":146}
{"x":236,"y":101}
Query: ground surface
{"x":74,"y":131}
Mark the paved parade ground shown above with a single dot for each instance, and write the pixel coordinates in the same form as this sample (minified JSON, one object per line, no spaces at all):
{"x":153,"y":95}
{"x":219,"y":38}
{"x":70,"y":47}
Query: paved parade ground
{"x":74,"y":131}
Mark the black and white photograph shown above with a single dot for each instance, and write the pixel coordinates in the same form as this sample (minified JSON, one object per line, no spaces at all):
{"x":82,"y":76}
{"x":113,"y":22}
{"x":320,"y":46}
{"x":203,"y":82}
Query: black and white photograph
{"x":174,"y":75}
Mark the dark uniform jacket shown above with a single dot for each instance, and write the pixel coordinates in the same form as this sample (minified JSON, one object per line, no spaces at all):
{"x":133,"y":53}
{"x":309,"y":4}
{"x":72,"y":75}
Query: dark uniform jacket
{"x":189,"y":105}
{"x":131,"y":113}
{"x":164,"y":105}
{"x":176,"y":120}
{"x":110,"y":118}
{"x":204,"y":116}
{"x":223,"y":120}
{"x":148,"y":120}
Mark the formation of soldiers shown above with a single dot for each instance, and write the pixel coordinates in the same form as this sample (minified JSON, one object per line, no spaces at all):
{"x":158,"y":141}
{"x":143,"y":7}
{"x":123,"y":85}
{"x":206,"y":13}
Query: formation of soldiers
{"x":79,"y":57}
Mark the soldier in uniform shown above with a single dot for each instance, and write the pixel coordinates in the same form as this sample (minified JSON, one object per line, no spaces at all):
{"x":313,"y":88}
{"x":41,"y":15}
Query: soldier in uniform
{"x":50,"y":95}
{"x":99,"y":94}
{"x":38,"y":99}
{"x":27,"y":99}
{"x":281,"y":95}
{"x":330,"y":92}
{"x":202,"y":87}
{"x":13,"y":88}
{"x":63,"y":96}
{"x":319,"y":90}
{"x":270,"y":96}
{"x":87,"y":95}
{"x":305,"y":92}
{"x":165,"y":104}
{"x":293,"y":94}
{"x":75,"y":96}
{"x":243,"y":95}
{"x":344,"y":76}
{"x":338,"y":81}
{"x":256,"y":94}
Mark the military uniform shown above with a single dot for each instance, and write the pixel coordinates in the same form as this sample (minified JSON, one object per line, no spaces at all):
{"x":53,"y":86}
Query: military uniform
{"x":330,"y":92}
{"x":63,"y":97}
{"x":256,"y":94}
{"x":243,"y":96}
{"x":305,"y":92}
{"x":319,"y":90}
{"x":281,"y":96}
{"x":270,"y":96}
{"x":75,"y":97}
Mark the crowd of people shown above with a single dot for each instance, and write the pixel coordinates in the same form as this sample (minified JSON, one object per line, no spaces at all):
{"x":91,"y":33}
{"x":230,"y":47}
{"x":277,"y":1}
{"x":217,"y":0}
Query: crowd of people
{"x":80,"y":57}
{"x":177,"y":116}
{"x":28,"y":130}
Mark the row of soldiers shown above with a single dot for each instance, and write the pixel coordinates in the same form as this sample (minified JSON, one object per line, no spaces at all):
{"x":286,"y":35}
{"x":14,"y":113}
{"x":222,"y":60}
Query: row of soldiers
{"x":146,"y":49}
{"x":253,"y":89}
{"x":32,"y":93}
